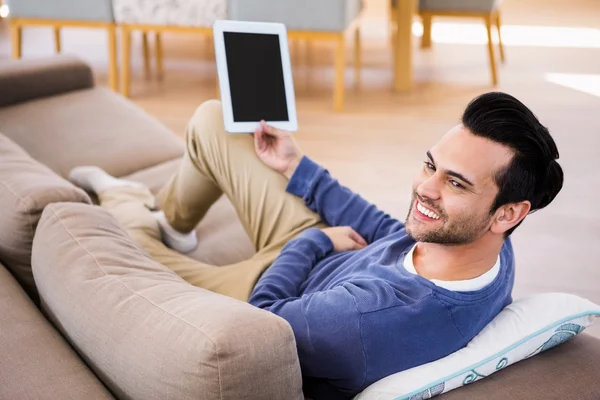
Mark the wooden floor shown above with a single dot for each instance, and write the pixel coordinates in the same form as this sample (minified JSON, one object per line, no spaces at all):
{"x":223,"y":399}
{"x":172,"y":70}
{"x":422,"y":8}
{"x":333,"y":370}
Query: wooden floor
{"x":376,"y":145}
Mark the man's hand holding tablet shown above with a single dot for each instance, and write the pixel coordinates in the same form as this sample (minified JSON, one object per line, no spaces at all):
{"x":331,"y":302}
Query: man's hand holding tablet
{"x":277,"y":148}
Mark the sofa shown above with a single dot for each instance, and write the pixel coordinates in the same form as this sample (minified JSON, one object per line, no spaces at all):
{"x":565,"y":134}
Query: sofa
{"x":86,"y":313}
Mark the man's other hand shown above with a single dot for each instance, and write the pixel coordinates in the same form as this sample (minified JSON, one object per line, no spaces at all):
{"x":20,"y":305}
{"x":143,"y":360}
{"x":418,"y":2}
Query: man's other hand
{"x":277,"y":149}
{"x":345,"y":238}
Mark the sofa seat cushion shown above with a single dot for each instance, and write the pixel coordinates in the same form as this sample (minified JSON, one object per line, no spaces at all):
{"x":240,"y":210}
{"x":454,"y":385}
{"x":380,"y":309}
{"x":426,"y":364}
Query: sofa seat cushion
{"x":222,"y":238}
{"x":26,"y":187}
{"x":36,"y":362}
{"x":90,"y":127}
{"x":146,"y":332}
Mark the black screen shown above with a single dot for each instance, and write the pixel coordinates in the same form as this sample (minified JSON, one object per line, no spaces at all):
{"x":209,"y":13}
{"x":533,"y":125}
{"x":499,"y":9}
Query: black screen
{"x":255,"y":77}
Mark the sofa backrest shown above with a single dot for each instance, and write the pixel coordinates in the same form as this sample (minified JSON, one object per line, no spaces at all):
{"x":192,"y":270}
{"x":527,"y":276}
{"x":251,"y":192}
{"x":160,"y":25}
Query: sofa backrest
{"x":26,"y":187}
{"x":24,"y":80}
{"x":146,"y":332}
{"x":51,"y":108}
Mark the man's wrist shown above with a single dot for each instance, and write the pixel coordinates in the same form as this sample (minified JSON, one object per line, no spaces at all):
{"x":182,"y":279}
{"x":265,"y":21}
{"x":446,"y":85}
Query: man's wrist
{"x":289,"y":172}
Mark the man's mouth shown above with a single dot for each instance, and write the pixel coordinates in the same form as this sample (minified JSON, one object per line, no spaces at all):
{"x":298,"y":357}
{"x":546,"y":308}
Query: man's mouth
{"x":426,"y":211}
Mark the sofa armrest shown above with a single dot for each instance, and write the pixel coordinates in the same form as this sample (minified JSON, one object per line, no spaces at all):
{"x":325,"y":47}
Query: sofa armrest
{"x":24,"y":80}
{"x":142,"y":329}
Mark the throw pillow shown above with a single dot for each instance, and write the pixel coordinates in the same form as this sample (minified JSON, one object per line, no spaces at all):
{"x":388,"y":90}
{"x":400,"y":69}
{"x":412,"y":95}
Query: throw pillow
{"x":26,"y":187}
{"x":523,"y":329}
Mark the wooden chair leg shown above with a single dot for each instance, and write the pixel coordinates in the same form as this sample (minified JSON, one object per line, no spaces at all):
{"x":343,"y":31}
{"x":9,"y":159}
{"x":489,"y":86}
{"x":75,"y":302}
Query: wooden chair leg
{"x":403,"y":54}
{"x":16,"y":37}
{"x":426,"y":38}
{"x":392,"y":23}
{"x":488,"y":26}
{"x":159,"y":55}
{"x":146,"y":48}
{"x":112,"y":58}
{"x":357,"y":56}
{"x":125,"y":61}
{"x":57,"y":43}
{"x":340,"y":65}
{"x":500,"y":44}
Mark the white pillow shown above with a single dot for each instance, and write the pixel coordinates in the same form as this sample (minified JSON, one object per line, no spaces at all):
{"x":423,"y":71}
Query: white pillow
{"x":523,"y":329}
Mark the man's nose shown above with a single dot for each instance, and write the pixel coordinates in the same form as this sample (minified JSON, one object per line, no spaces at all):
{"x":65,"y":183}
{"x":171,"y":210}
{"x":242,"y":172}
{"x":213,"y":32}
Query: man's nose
{"x":429,"y":188}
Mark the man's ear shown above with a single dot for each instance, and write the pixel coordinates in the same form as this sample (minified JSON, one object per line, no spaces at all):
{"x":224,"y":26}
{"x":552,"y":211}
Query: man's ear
{"x":509,"y":215}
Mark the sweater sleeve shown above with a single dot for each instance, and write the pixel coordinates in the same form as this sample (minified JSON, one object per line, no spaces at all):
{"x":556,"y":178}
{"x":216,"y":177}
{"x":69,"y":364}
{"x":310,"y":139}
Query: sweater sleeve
{"x":283,"y":278}
{"x":337,"y":205}
{"x":327,"y":328}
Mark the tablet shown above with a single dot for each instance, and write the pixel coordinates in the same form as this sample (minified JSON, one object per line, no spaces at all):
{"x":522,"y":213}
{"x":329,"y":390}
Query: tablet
{"x":255,"y":75}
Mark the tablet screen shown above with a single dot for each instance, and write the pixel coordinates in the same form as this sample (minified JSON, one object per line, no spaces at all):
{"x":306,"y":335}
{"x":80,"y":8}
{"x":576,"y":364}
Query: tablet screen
{"x":255,"y":72}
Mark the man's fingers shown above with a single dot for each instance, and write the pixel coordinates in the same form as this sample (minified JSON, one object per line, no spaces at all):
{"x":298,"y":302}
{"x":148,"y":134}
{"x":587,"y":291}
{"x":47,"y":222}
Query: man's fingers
{"x":259,"y":140}
{"x":269,"y":129}
{"x":357,"y":238}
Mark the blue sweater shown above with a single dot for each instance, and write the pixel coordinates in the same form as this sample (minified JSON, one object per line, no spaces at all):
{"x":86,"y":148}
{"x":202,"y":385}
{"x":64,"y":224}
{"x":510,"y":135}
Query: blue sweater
{"x":359,"y":316}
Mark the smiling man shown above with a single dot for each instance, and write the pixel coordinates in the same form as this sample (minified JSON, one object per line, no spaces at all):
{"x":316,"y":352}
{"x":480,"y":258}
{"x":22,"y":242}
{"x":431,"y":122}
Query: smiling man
{"x":365,"y":294}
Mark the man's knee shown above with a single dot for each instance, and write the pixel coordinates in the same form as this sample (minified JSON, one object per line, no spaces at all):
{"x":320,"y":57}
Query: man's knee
{"x":208,"y":118}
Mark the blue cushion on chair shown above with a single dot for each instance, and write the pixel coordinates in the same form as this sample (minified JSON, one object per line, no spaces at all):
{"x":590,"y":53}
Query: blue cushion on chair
{"x":459,"y":5}
{"x":62,"y":10}
{"x":305,"y":15}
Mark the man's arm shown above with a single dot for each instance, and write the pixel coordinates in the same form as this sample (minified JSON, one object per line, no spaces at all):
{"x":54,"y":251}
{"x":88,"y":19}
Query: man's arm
{"x":283,"y":278}
{"x":326,"y":327}
{"x":336,"y":204}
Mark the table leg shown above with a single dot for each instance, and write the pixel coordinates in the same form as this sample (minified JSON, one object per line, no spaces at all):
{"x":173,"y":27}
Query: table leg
{"x":403,"y":68}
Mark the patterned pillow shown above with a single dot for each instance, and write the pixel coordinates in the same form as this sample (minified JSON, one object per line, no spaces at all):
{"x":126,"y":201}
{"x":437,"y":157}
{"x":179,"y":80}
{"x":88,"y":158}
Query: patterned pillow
{"x":196,"y":13}
{"x":525,"y":328}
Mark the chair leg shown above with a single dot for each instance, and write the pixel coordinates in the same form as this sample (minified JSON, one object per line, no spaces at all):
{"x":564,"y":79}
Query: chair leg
{"x":159,"y":55}
{"x":112,"y":58}
{"x":392,"y":23}
{"x":340,"y":64}
{"x":357,"y":56}
{"x":125,"y":61}
{"x":426,"y":38}
{"x":146,"y":48}
{"x":488,"y":26}
{"x":16,"y":36}
{"x":500,"y":44}
{"x":57,"y":43}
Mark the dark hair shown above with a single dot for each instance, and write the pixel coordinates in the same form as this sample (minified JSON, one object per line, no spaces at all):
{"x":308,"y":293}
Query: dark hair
{"x":533,"y":174}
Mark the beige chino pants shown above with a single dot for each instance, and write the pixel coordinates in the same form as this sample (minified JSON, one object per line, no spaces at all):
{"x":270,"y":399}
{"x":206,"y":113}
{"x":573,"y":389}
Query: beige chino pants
{"x":215,"y":163}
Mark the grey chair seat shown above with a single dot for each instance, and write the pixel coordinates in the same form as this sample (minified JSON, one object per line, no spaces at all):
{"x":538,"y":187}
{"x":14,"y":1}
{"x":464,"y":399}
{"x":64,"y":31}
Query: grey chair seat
{"x":306,"y":15}
{"x":62,"y":10}
{"x":456,"y":5}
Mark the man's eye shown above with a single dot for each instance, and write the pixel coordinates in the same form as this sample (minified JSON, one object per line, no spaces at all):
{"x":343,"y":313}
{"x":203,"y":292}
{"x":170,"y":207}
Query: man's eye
{"x":456,"y":184}
{"x":429,"y":165}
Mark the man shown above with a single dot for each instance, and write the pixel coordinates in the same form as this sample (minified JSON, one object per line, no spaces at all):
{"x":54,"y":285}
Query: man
{"x":366,"y":295}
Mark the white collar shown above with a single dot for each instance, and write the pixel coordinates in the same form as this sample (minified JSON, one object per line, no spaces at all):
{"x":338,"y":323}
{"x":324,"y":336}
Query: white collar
{"x":458,"y":286}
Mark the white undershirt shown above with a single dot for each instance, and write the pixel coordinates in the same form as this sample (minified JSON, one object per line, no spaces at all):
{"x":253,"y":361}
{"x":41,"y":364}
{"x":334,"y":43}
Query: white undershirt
{"x":458,"y":286}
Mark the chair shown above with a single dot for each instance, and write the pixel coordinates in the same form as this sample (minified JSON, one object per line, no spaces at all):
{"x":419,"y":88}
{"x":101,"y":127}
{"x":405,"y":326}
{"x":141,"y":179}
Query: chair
{"x":307,"y":20}
{"x":488,"y":10}
{"x":177,"y":16}
{"x":311,"y":20}
{"x":64,"y":13}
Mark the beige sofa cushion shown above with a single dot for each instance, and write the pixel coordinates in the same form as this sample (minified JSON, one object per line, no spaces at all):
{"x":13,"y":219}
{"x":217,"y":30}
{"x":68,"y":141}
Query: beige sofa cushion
{"x":92,"y":126}
{"x":26,"y":187}
{"x":222,"y":238}
{"x":36,"y":362}
{"x":147,"y":333}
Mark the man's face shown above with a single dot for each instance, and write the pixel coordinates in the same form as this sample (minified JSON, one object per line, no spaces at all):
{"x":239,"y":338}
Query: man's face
{"x":454,"y":190}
